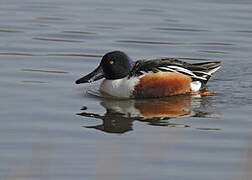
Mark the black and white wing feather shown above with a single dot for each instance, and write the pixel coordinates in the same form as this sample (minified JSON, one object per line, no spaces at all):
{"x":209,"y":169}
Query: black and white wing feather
{"x":198,"y":71}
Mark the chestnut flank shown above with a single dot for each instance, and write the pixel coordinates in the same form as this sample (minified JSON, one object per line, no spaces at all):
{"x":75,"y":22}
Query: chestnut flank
{"x":162,"y":84}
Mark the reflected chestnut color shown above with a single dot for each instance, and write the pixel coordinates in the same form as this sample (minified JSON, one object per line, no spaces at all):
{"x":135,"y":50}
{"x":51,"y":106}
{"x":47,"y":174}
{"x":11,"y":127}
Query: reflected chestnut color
{"x":169,"y":107}
{"x":120,"y":114}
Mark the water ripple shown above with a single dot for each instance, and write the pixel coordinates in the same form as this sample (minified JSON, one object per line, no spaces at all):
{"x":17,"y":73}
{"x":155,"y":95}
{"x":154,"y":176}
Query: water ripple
{"x":10,"y":31}
{"x":80,"y":55}
{"x":243,"y":31}
{"x":16,"y":54}
{"x":175,"y":43}
{"x":214,"y":52}
{"x":148,"y":42}
{"x":152,"y":10}
{"x":29,"y":54}
{"x":41,"y":7}
{"x":104,"y":9}
{"x":58,"y":40}
{"x":51,"y":18}
{"x":171,"y":20}
{"x":38,"y":25}
{"x":33,"y":81}
{"x":209,"y":129}
{"x":45,"y":71}
{"x":79,"y":32}
{"x":215,"y":44}
{"x":182,"y":29}
{"x":106,"y":27}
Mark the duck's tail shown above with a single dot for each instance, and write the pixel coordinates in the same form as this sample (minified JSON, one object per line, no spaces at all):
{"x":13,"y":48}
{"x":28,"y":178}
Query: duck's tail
{"x":206,"y":69}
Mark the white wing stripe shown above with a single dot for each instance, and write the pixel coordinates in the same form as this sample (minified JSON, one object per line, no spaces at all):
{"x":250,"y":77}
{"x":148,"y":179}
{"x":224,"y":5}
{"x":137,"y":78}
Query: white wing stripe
{"x":167,"y":69}
{"x":214,"y":70}
{"x":182,"y":70}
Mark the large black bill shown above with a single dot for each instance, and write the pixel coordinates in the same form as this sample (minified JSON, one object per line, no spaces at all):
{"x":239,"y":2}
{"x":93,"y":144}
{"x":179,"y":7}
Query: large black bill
{"x":93,"y":76}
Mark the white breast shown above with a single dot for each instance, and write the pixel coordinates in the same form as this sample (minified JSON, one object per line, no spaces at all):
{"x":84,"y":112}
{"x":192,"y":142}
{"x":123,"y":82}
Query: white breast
{"x":121,"y":88}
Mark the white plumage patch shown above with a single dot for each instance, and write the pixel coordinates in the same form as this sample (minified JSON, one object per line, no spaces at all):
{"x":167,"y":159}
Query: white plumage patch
{"x":195,"y":86}
{"x":121,"y":88}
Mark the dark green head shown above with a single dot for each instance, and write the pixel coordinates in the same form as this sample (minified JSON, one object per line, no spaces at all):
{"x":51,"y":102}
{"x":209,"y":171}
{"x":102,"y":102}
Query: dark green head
{"x":114,"y":65}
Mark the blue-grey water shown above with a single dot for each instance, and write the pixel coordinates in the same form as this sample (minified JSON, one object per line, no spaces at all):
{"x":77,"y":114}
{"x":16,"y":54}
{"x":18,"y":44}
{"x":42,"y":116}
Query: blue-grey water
{"x":51,"y":128}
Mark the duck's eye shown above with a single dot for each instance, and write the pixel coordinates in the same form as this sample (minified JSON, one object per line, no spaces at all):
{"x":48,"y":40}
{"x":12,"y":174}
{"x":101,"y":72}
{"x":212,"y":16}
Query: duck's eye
{"x":111,"y":62}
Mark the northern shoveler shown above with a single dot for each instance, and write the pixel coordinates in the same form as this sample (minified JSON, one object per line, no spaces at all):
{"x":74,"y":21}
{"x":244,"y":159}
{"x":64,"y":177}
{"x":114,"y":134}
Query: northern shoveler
{"x":153,"y":78}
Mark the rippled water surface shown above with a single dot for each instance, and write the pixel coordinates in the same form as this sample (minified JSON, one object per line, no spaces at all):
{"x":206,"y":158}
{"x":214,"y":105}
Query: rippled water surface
{"x":54,"y":129}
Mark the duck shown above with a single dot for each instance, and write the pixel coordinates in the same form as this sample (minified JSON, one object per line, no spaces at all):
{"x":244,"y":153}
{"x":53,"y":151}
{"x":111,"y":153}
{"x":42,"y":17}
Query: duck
{"x":149,"y":78}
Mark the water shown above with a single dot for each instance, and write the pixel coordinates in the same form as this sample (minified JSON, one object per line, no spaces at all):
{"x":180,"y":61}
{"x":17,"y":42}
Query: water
{"x":53,"y":129}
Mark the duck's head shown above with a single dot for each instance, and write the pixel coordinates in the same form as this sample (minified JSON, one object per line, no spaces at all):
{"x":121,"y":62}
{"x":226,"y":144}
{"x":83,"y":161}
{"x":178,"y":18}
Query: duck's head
{"x":114,"y":65}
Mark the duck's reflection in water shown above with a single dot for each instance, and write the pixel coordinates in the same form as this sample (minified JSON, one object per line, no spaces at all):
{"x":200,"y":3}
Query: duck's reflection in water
{"x":120,"y":114}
